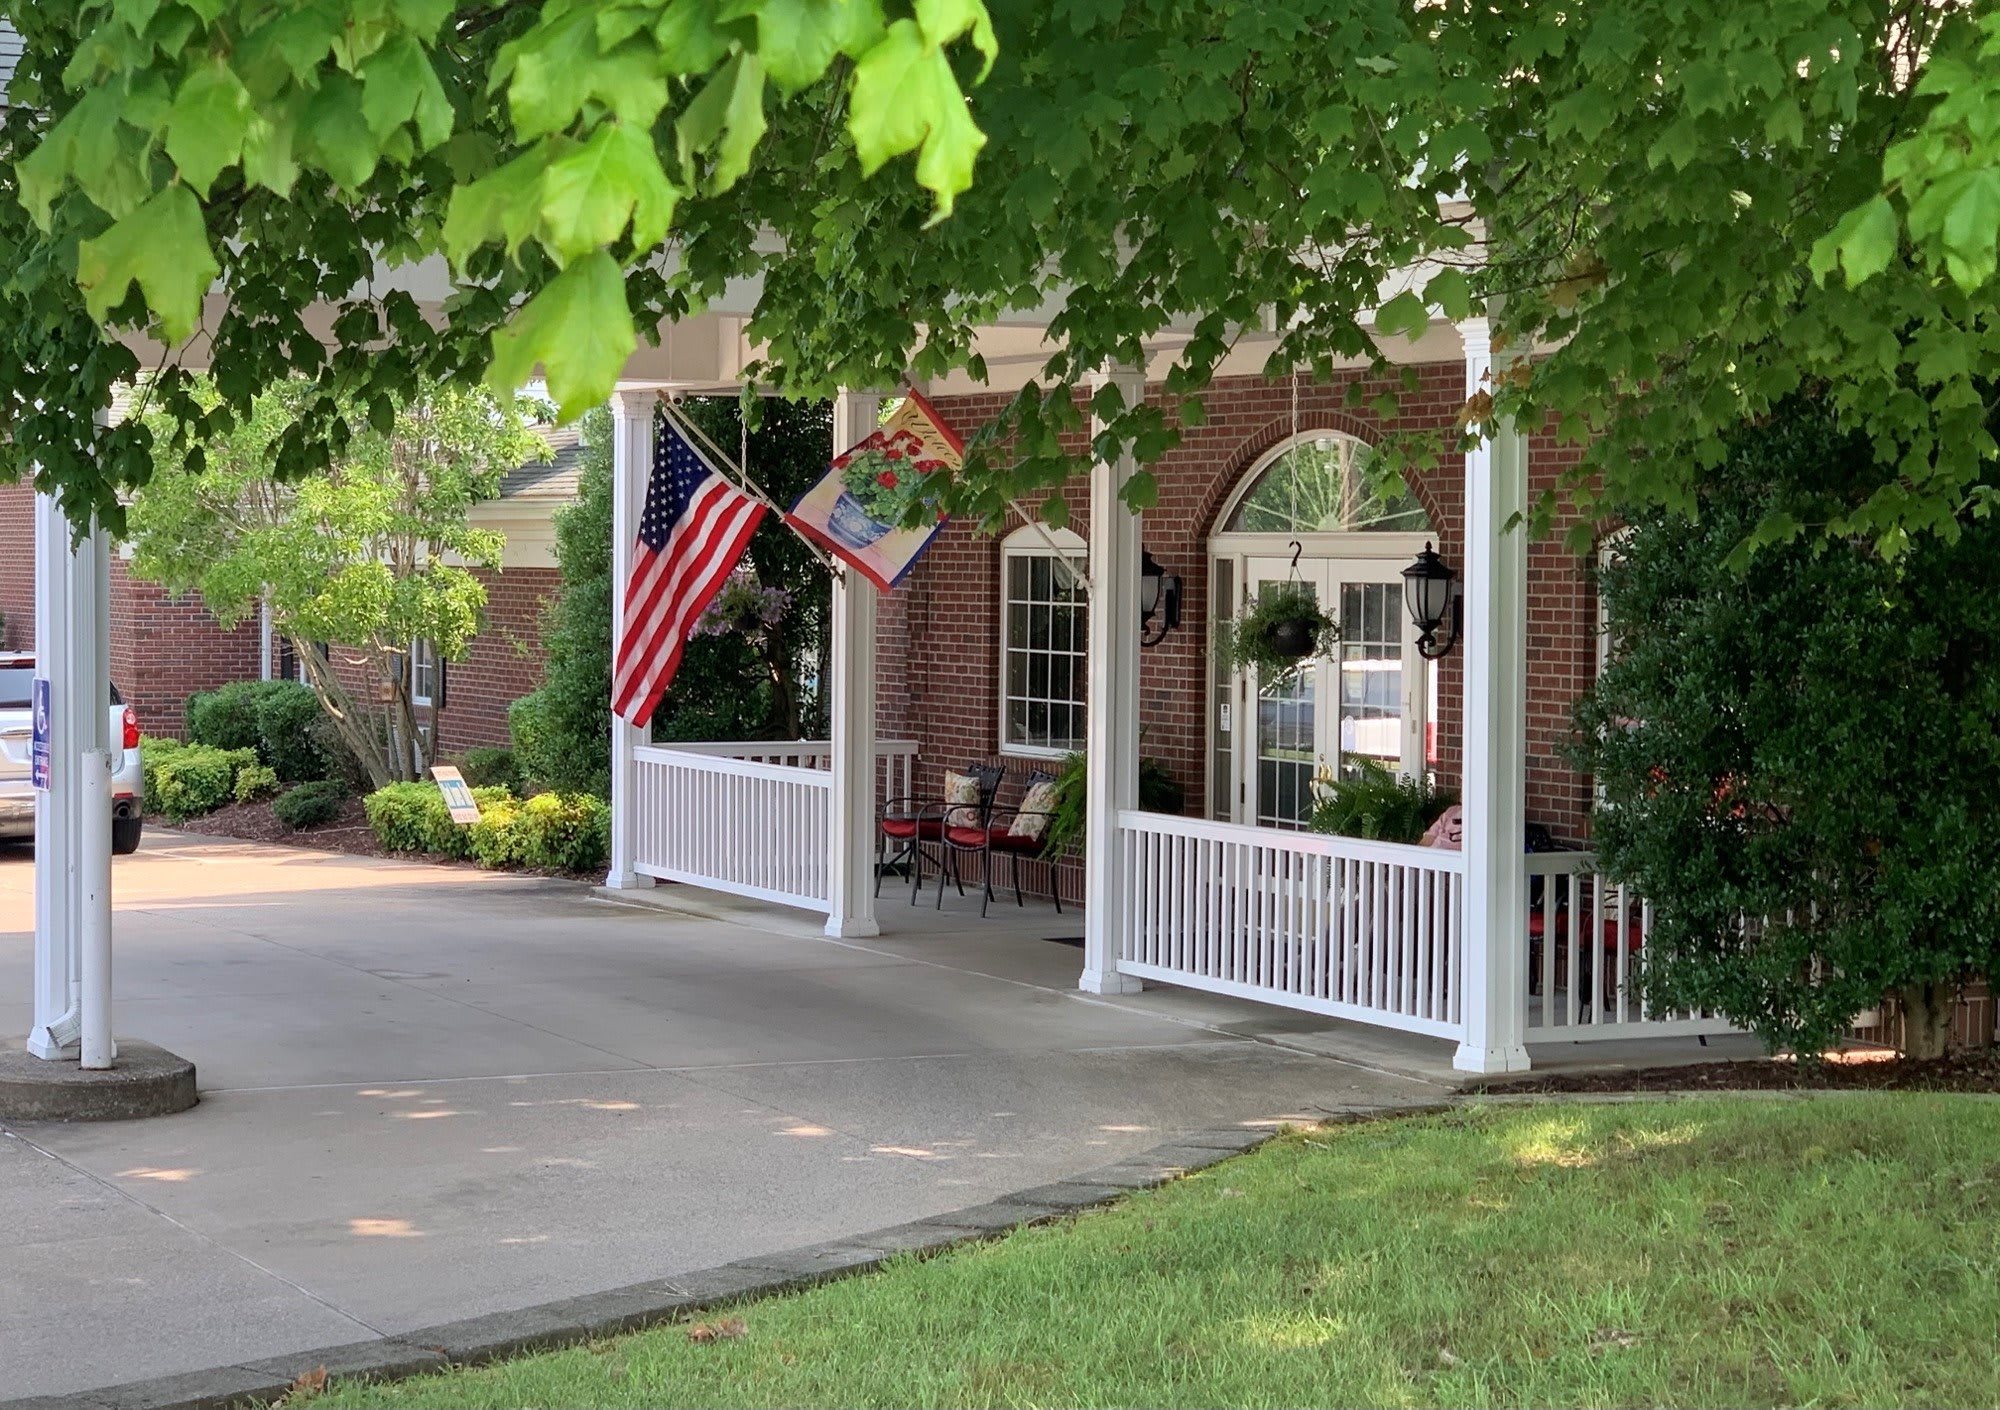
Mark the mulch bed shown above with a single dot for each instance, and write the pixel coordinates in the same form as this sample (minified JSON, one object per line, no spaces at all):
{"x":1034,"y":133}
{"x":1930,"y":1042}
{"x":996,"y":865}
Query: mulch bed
{"x":348,"y":831}
{"x":1976,"y":1070}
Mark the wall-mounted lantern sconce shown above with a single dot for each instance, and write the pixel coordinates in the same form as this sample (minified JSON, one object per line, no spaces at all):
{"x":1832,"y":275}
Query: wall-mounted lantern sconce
{"x":1430,"y":592}
{"x":1159,"y":597}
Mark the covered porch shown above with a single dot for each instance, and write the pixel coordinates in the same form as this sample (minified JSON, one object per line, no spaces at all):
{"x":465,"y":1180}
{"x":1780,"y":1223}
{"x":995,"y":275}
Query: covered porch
{"x":1474,"y":954}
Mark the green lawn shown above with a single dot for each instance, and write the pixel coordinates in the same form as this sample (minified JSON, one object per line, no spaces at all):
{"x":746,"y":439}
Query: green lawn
{"x":1837,"y":1250}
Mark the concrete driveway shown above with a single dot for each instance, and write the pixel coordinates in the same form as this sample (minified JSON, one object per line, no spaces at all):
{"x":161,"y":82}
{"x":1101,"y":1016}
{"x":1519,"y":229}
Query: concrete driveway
{"x":431,"y":1093}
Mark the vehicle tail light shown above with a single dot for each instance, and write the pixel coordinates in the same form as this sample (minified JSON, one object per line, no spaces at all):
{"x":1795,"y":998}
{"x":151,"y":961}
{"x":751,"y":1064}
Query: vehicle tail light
{"x":131,"y":728}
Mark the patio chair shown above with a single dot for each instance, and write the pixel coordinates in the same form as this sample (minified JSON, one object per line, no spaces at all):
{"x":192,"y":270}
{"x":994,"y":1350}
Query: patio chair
{"x":1018,"y":833}
{"x":910,"y":829}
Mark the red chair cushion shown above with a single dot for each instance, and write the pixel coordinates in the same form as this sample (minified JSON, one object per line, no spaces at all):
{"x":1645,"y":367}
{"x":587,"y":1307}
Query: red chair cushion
{"x":905,"y":828}
{"x":974,"y":837}
{"x":1005,"y":841}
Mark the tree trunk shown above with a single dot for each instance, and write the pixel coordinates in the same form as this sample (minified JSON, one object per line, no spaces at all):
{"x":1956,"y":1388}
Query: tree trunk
{"x":1927,"y":1011}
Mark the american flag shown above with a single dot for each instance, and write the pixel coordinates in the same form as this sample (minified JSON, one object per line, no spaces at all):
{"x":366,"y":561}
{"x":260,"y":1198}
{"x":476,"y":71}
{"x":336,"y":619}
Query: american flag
{"x":695,"y":527}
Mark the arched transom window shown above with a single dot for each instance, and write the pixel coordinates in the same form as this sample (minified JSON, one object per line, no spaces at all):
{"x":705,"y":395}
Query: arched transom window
{"x":1326,"y":482}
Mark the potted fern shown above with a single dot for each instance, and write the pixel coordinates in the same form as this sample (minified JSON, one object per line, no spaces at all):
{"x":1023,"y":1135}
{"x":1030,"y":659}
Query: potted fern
{"x":1282,"y":627}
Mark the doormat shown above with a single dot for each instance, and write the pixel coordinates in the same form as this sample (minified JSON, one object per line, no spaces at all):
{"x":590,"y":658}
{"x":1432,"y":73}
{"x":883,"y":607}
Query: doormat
{"x":1075,"y":940}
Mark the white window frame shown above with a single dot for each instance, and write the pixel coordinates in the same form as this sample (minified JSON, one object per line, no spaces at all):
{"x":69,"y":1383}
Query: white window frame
{"x":1060,"y":545}
{"x":418,"y":648}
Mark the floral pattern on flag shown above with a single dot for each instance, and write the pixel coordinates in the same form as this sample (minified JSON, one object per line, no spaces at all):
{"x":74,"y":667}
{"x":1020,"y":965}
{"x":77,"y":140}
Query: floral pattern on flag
{"x":858,"y":508}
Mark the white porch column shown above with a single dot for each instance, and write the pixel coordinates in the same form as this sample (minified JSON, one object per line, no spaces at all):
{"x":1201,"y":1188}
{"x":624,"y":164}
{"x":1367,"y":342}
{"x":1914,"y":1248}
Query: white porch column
{"x":631,"y":469}
{"x":1494,"y":986}
{"x":72,"y":987}
{"x":850,"y":862}
{"x":1111,"y":728}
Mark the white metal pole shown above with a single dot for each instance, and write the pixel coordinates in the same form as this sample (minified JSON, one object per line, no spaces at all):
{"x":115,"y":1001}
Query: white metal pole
{"x":1111,"y":721}
{"x":631,"y":469}
{"x":58,"y":975}
{"x":851,"y":718}
{"x":1495,"y":987}
{"x":93,"y":768}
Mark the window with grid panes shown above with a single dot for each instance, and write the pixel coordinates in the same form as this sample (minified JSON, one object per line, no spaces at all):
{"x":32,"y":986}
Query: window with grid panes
{"x":1042,"y":633}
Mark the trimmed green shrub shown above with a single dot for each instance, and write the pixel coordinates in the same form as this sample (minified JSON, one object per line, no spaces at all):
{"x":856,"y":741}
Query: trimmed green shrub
{"x":553,"y":831}
{"x":310,"y":804}
{"x":153,"y":751}
{"x":565,"y":831}
{"x":276,"y":718}
{"x":491,"y":768}
{"x":412,"y":817}
{"x":224,"y":718}
{"x":256,"y":781}
{"x":497,"y":840}
{"x":195,"y":779}
{"x":287,"y":712}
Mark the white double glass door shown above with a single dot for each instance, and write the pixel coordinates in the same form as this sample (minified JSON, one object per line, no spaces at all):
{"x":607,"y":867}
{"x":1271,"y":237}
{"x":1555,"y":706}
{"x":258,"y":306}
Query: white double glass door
{"x":1323,"y":718}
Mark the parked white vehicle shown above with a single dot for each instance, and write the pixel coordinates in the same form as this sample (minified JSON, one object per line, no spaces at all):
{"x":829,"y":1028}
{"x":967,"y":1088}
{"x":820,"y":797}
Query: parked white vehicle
{"x":17,"y":791}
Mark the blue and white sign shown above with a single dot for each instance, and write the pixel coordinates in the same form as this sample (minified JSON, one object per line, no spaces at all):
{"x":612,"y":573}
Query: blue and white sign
{"x":39,"y":758}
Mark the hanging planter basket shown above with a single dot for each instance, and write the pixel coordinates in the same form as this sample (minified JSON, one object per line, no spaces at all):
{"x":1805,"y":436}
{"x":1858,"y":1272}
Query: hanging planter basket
{"x":1284,"y":628}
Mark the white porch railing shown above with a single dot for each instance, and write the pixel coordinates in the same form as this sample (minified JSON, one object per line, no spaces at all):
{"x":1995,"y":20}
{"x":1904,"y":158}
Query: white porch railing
{"x":1335,"y":925}
{"x":1587,"y":938}
{"x":747,"y":818}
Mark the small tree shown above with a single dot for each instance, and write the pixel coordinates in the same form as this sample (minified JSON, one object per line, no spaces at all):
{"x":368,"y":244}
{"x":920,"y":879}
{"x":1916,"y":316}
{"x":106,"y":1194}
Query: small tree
{"x":362,"y":561}
{"x":732,"y":684}
{"x":1800,"y":758}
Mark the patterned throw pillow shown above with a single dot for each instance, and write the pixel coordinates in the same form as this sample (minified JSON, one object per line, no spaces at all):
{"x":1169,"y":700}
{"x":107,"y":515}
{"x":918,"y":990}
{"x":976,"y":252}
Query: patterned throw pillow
{"x":1032,"y":821}
{"x":962,"y":792}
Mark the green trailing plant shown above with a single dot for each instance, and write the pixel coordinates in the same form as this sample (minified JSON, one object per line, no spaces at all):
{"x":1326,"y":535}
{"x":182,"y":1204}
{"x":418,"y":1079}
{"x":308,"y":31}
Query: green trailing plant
{"x":1375,"y":802}
{"x":1283,"y":628}
{"x":1799,"y":748}
{"x":1159,"y":792}
{"x":309,"y":804}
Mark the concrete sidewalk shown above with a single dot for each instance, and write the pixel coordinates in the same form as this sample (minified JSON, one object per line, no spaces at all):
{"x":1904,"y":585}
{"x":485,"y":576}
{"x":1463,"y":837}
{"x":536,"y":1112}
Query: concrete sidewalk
{"x":431,"y":1093}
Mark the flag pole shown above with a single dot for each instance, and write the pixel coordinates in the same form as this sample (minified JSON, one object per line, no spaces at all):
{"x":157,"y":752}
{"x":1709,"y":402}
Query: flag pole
{"x":741,"y":475}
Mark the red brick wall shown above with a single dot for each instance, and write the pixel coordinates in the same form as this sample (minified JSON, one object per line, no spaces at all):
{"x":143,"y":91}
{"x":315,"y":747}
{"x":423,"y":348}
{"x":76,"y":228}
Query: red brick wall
{"x":17,"y":566}
{"x":505,"y":661}
{"x":938,"y":639}
{"x":164,"y":648}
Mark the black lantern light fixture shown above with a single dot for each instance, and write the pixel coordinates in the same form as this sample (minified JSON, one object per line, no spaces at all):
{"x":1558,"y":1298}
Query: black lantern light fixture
{"x":1430,"y":592}
{"x":1159,"y":597}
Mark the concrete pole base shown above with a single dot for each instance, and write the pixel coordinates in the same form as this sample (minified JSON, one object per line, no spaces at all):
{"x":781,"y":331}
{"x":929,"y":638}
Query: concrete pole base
{"x":142,"y":1081}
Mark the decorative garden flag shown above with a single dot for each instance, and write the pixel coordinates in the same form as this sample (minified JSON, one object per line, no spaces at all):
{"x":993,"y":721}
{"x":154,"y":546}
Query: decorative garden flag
{"x":857,"y":510}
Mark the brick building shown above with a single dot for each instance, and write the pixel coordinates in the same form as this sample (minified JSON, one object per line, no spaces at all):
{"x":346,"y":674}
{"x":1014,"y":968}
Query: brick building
{"x":166,"y":647}
{"x":944,"y":678}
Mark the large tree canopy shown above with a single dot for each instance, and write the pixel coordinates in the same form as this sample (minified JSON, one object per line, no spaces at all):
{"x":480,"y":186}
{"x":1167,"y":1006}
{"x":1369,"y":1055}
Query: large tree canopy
{"x":1693,"y":208}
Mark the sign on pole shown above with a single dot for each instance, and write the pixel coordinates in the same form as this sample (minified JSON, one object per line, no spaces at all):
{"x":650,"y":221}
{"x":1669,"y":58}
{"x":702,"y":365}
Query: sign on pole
{"x":39,"y":752}
{"x":458,"y":799}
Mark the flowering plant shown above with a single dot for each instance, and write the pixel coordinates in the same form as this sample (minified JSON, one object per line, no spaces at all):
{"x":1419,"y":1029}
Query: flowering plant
{"x":890,"y":474}
{"x":745,"y":606}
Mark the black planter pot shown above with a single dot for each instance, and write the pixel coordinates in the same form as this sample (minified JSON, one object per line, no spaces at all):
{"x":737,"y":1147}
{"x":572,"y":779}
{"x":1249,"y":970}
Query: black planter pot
{"x":1292,"y":637}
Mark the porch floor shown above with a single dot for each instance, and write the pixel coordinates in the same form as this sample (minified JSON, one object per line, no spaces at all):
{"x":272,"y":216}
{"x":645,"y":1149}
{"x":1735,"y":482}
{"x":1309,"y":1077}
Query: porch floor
{"x":1026,"y":945}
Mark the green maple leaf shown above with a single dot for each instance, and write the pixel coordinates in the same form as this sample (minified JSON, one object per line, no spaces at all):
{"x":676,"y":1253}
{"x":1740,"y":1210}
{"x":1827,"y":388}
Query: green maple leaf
{"x":164,"y":246}
{"x":578,"y":328}
{"x":797,"y":39}
{"x":206,"y":126}
{"x":589,"y":196}
{"x":907,"y":98}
